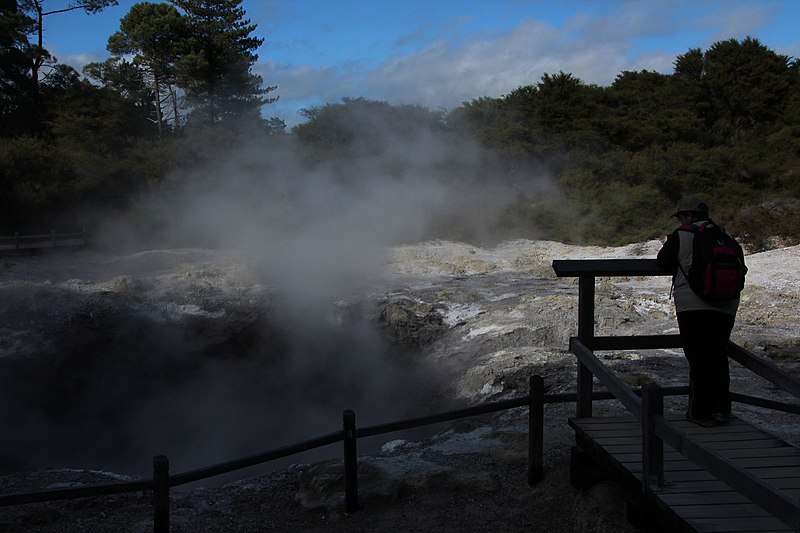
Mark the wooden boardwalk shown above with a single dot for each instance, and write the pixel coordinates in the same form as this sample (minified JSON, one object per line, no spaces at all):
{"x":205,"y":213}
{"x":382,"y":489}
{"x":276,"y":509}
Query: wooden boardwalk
{"x":692,"y":499}
{"x":684,"y":463}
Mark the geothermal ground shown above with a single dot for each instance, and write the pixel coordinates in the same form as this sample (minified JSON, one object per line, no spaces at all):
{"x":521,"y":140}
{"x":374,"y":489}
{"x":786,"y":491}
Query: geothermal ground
{"x":110,"y":359}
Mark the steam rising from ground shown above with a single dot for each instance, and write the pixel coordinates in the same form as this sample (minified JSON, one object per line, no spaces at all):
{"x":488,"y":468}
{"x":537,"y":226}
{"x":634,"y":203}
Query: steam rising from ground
{"x":316,"y":227}
{"x":316,"y":231}
{"x":320,"y":230}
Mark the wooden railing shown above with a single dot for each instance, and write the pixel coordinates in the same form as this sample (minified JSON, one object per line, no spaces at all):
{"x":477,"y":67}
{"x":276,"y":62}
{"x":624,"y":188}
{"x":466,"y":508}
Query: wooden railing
{"x":43,"y":240}
{"x":162,"y":481}
{"x":655,"y":429}
{"x":649,"y":408}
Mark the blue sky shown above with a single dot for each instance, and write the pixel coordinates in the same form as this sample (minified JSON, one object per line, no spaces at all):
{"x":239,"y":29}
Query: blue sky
{"x":440,"y":53}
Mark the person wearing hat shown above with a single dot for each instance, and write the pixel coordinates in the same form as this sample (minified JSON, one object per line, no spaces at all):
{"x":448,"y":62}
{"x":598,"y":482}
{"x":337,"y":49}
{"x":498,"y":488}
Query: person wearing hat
{"x":705,"y":325}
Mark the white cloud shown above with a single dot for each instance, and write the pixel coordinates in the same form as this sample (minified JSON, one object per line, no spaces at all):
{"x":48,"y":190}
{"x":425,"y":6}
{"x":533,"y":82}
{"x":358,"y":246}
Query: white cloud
{"x":596,"y":48}
{"x":304,"y":82}
{"x":301,"y":87}
{"x":78,"y":61}
{"x":444,"y":75}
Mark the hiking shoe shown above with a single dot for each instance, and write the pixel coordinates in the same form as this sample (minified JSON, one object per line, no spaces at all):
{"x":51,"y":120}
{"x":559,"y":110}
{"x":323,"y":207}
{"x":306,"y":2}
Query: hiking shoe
{"x":706,"y":423}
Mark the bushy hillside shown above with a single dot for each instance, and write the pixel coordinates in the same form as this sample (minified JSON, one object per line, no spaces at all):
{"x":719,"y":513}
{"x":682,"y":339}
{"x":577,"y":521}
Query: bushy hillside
{"x":558,"y":159}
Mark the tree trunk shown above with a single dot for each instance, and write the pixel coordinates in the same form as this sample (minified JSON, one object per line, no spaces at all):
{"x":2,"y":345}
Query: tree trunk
{"x":157,"y":102}
{"x":175,"y":112}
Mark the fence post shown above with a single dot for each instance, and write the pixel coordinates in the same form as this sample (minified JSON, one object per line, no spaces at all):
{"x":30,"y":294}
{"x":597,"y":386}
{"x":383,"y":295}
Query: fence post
{"x":350,"y":462}
{"x":586,"y":293}
{"x":160,"y":494}
{"x":536,"y":430}
{"x":652,"y":446}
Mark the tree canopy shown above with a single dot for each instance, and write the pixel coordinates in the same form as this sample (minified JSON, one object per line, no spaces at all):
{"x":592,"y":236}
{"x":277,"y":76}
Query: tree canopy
{"x":215,"y":69}
{"x":155,"y":35}
{"x":180,"y":87}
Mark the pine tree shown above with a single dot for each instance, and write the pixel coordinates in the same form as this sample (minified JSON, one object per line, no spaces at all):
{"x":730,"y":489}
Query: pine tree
{"x":216,"y":70}
{"x":155,"y":34}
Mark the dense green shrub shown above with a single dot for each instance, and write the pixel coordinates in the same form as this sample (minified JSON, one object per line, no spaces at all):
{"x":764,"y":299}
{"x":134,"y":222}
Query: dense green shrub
{"x":617,"y":158}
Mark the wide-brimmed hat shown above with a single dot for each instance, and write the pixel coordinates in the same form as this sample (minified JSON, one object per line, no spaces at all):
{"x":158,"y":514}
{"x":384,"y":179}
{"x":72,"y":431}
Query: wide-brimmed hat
{"x":691,"y":204}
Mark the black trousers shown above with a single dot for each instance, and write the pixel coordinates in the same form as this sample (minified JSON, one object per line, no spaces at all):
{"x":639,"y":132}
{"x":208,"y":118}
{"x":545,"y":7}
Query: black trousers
{"x":705,"y":336}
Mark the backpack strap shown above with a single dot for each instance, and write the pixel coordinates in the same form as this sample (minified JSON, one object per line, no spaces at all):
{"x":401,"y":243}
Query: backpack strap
{"x":704,"y":226}
{"x":685,"y":275}
{"x":692,"y":229}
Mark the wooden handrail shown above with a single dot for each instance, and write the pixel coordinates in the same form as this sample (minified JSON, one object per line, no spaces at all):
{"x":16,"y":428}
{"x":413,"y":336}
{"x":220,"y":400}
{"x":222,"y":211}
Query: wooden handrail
{"x":616,"y":386}
{"x":285,"y":451}
{"x":252,"y":460}
{"x":586,"y":270}
{"x":578,"y":268}
{"x":78,"y":492}
{"x":655,"y":428}
{"x":764,"y":368}
{"x":636,"y":342}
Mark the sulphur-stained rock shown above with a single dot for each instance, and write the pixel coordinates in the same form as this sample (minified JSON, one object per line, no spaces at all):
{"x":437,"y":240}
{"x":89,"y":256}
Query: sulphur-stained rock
{"x":106,"y":360}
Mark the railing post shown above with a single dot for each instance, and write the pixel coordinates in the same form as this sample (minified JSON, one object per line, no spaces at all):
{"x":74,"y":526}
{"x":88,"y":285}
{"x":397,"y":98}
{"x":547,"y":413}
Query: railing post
{"x":586,"y":309}
{"x":585,"y":387}
{"x":160,"y":494}
{"x":652,"y":446}
{"x":586,"y":336}
{"x":350,"y":462}
{"x":536,"y":430}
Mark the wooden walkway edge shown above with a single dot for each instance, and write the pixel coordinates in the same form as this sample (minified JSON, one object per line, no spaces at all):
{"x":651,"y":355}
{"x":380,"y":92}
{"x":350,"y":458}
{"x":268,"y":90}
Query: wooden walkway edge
{"x":692,"y":498}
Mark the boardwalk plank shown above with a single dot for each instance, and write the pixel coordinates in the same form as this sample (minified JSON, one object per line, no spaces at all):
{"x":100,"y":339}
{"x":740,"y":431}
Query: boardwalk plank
{"x":721,"y":496}
{"x":755,"y":465}
{"x":692,"y":494}
{"x":705,"y":509}
{"x":704,"y":498}
{"x":705,"y":486}
{"x":689,"y":470}
{"x":749,"y":456}
{"x":749,"y":525}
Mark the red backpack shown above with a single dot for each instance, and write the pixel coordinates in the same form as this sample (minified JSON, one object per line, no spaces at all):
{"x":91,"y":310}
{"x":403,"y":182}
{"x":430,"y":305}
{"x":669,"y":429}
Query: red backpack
{"x":717,"y":271}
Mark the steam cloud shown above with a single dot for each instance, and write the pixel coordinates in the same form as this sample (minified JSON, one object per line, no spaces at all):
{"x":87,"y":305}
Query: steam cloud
{"x":315,"y":232}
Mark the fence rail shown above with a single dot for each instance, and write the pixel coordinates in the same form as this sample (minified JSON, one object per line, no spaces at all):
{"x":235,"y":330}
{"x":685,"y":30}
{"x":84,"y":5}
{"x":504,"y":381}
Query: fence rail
{"x":19,"y":242}
{"x":162,"y":481}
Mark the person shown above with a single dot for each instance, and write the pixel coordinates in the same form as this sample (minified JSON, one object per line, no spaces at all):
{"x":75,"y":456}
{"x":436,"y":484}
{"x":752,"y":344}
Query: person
{"x":705,"y":325}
